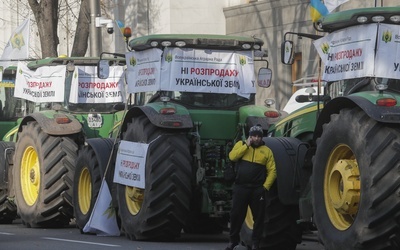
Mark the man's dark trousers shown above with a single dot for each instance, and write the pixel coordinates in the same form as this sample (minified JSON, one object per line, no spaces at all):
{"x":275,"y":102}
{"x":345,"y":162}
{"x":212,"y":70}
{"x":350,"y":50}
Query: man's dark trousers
{"x":244,"y":196}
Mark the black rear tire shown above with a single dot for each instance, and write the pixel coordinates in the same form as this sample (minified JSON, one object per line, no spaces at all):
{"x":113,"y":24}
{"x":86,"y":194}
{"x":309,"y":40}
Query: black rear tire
{"x":87,"y":182}
{"x":161,"y":209}
{"x":8,"y":209}
{"x":42,"y":174}
{"x":357,"y":159}
{"x":281,"y":231}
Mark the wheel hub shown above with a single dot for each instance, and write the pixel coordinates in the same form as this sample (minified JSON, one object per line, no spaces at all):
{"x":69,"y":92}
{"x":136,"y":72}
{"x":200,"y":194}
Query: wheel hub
{"x":344,"y":186}
{"x":30,"y":176}
{"x":134,"y":199}
{"x":84,"y":191}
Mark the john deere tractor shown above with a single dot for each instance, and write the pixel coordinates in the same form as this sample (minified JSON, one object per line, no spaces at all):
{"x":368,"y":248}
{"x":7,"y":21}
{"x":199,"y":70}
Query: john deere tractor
{"x":67,"y":103}
{"x":195,"y":97}
{"x":345,"y":145}
{"x":11,"y":109}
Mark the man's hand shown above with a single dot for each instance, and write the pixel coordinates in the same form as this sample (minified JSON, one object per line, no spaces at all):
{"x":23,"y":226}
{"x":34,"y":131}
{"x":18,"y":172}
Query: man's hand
{"x":248,"y":141}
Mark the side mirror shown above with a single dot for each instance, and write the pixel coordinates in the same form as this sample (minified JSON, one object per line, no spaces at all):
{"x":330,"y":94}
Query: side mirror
{"x":103,"y":69}
{"x":287,"y":52}
{"x":264,"y":77}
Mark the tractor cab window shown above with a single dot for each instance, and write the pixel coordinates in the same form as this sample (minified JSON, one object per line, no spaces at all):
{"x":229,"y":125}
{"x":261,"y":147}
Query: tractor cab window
{"x":12,"y":108}
{"x":350,"y":86}
{"x":393,"y":84}
{"x":208,"y":100}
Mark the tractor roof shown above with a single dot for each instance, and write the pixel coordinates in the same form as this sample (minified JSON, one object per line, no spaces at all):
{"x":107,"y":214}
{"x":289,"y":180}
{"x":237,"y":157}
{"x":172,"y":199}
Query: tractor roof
{"x":201,"y":41}
{"x":347,"y":18}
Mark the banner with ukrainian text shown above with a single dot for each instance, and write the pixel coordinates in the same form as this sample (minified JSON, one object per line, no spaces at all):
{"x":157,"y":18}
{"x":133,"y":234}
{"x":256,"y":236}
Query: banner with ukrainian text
{"x":348,"y":53}
{"x":387,"y":63}
{"x":46,"y":84}
{"x":86,"y":87}
{"x":207,"y":71}
{"x":143,"y":70}
{"x":130,"y":164}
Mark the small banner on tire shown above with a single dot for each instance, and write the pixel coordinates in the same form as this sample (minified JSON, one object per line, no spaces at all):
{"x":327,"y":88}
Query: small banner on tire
{"x":130,"y":164}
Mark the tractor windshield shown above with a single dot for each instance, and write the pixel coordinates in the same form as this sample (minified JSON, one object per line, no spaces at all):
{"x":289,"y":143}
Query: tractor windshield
{"x":12,"y":108}
{"x":194,"y":100}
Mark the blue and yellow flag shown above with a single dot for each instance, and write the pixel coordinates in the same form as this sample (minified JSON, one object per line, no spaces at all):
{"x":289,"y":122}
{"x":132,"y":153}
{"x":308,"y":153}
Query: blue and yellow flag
{"x":121,"y":26}
{"x":317,"y":10}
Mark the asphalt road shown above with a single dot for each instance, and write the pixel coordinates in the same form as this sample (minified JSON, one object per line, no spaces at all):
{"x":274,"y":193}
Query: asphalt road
{"x":17,"y":237}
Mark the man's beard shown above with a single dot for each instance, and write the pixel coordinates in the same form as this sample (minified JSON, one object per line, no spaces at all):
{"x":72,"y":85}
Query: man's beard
{"x":256,"y":144}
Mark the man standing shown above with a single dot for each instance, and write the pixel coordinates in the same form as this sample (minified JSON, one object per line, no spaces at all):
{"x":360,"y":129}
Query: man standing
{"x":256,"y":173}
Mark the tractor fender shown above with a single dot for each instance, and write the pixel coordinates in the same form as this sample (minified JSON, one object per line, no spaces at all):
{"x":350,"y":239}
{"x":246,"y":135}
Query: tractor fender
{"x":289,"y":154}
{"x":378,"y":113}
{"x":50,"y":126}
{"x":156,"y":118}
{"x":102,"y":148}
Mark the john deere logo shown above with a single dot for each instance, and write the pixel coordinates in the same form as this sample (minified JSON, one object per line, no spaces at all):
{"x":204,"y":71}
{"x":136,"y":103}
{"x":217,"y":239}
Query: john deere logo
{"x":387,"y":36}
{"x":325,"y":48}
{"x":242,"y":60}
{"x":168,"y":57}
{"x":132,"y":61}
{"x":17,"y":41}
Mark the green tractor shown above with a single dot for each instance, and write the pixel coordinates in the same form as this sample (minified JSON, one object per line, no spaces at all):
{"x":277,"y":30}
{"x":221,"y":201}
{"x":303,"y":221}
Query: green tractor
{"x":345,"y":143}
{"x":11,"y":109}
{"x":64,"y":109}
{"x":194,"y":98}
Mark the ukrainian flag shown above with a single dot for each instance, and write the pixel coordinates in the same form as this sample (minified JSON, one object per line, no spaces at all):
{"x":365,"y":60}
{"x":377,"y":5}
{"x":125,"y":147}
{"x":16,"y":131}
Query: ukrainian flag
{"x":317,"y":10}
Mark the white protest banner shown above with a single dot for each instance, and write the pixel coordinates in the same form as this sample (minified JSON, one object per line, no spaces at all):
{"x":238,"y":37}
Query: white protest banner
{"x":247,"y":78}
{"x":131,"y":164}
{"x":46,"y":84}
{"x":207,"y":71}
{"x":348,"y":53}
{"x":86,"y":87}
{"x":103,"y":219}
{"x":387,"y":62}
{"x":143,"y":70}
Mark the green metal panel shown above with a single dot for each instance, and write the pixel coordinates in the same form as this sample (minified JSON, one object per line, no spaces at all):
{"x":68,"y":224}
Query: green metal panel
{"x":216,"y":125}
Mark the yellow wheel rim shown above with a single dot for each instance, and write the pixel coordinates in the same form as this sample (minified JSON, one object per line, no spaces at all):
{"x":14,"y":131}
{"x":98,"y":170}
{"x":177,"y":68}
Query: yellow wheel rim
{"x":84,"y":190}
{"x":134,"y":199}
{"x":30,"y":176}
{"x":342,"y":187}
{"x":249,"y":219}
